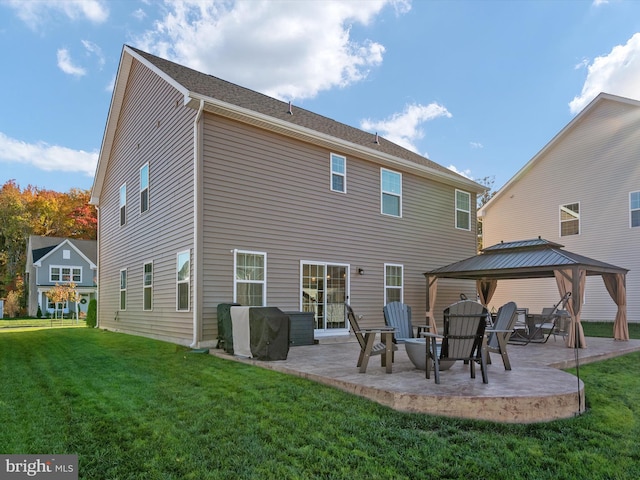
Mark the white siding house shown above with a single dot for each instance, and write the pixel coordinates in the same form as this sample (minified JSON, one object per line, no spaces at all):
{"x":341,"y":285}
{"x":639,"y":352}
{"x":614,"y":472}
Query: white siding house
{"x":582,"y":190}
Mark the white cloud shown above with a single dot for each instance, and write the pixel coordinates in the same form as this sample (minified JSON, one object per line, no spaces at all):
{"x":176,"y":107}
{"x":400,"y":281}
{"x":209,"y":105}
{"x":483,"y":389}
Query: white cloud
{"x":286,"y":49}
{"x":94,"y":50}
{"x":66,"y":64}
{"x":139,"y":14}
{"x":404,"y":128}
{"x":465,"y":173}
{"x":476,"y":145}
{"x":47,"y":157}
{"x":617,"y":73}
{"x":34,"y":13}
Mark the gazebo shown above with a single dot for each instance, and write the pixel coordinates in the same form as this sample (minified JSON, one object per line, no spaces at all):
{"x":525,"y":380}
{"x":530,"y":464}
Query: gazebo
{"x":537,"y":258}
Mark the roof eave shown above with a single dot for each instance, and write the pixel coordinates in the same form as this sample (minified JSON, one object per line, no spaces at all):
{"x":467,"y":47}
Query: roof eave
{"x":213,"y":105}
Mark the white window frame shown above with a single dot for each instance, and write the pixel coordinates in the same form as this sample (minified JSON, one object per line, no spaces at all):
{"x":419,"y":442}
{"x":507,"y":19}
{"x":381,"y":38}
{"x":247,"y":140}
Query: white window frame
{"x":186,"y":281}
{"x":578,"y":218}
{"x":237,"y":281}
{"x":123,"y":290}
{"x":384,"y":192}
{"x":123,"y":205}
{"x":337,"y":173}
{"x":147,"y":286}
{"x":459,"y":209}
{"x":394,"y":287}
{"x":145,"y":189}
{"x":633,"y":208}
{"x":73,"y":271}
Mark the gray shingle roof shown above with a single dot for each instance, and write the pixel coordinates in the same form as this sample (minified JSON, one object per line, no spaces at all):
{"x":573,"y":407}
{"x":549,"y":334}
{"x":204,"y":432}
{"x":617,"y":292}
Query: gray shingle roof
{"x":536,"y":258}
{"x":40,"y":246}
{"x":213,"y":87}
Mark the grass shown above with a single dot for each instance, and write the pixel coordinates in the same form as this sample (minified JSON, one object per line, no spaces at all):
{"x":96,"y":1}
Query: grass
{"x":135,"y":408}
{"x":27,"y":323}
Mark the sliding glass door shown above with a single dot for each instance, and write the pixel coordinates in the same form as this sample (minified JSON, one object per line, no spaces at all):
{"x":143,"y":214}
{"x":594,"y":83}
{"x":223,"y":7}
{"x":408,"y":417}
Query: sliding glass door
{"x":324,"y":290}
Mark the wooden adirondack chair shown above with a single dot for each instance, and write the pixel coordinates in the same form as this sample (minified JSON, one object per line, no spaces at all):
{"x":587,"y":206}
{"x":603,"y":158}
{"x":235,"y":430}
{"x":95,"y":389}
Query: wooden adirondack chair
{"x":368,"y":346}
{"x":398,"y":315}
{"x":499,"y":334}
{"x":463,"y":339}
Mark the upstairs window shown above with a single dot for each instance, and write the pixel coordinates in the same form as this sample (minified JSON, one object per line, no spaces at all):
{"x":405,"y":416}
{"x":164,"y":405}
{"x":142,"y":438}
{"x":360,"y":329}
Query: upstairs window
{"x":463,"y":210}
{"x":338,"y":173}
{"x":63,"y":274}
{"x":123,"y":204}
{"x":250,"y":282}
{"x":393,"y":283}
{"x":391,"y":192}
{"x":569,"y":219}
{"x":183,"y":277}
{"x":634,"y":208}
{"x":144,"y":188}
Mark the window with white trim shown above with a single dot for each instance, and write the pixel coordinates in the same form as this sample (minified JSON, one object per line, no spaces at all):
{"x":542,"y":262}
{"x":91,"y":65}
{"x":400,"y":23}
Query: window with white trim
{"x":147,"y":286}
{"x":634,"y":209}
{"x":64,"y":274}
{"x":391,"y":192}
{"x":144,"y":188}
{"x":123,"y":289}
{"x":123,"y":204}
{"x":250,"y":278}
{"x":463,"y":210}
{"x":338,"y":173}
{"x":183,"y":281}
{"x":393,"y":283}
{"x":569,"y":219}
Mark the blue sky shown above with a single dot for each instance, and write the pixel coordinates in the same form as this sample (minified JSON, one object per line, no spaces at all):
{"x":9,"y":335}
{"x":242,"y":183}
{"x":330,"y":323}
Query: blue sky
{"x":477,"y":86}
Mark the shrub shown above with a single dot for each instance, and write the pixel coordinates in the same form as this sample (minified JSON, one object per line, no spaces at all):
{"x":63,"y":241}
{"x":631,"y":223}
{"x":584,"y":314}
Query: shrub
{"x":39,"y":312}
{"x":91,"y":313}
{"x":12,"y":304}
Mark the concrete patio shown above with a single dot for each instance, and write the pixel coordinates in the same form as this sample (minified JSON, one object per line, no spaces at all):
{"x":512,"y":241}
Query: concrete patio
{"x":535,"y":390}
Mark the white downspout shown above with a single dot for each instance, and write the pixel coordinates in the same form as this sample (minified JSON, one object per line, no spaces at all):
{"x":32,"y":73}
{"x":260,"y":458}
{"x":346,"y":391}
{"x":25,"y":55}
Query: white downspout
{"x":97,"y":267}
{"x":197,"y":218}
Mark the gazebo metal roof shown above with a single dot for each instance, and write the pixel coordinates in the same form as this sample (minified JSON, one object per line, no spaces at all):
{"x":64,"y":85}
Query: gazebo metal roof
{"x":535,"y":258}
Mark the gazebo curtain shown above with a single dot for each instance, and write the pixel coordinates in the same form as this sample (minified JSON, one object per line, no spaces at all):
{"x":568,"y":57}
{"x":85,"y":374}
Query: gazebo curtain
{"x":615,"y":283}
{"x":432,"y":291}
{"x":573,"y":280}
{"x":486,"y":289}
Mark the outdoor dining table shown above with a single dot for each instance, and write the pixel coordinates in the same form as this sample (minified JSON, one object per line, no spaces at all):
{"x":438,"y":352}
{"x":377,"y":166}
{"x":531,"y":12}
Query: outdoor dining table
{"x":386,"y":335}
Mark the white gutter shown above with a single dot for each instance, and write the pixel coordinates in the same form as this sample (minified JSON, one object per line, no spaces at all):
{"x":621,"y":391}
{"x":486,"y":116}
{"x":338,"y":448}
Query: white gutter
{"x":197,"y":217}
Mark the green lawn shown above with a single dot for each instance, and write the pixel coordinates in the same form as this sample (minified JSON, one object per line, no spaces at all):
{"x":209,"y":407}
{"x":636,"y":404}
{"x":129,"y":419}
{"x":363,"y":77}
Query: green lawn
{"x":134,"y":408}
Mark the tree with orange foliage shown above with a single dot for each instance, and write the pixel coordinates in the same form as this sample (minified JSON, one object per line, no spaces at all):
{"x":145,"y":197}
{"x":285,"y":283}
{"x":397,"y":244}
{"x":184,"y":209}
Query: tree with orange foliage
{"x":37,"y":211}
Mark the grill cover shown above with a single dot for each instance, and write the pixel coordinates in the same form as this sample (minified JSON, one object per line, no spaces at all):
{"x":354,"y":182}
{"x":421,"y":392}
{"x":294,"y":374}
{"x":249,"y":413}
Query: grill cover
{"x":269,"y":332}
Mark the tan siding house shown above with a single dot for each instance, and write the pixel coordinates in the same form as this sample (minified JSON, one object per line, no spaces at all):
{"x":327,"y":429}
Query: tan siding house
{"x":233,"y":196}
{"x":579,"y":191}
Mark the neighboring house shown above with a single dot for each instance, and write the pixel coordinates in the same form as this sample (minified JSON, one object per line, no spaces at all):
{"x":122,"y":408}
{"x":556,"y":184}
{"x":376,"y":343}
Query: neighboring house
{"x":582,"y":190}
{"x":211,"y":193}
{"x":51,"y":261}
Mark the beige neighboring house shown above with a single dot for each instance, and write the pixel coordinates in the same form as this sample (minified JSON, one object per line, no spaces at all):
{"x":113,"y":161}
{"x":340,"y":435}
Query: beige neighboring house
{"x":54,"y":260}
{"x":211,"y":193}
{"x":582,"y":190}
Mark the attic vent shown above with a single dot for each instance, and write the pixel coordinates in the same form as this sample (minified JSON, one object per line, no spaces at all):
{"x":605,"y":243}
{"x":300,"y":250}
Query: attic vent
{"x":290,"y":108}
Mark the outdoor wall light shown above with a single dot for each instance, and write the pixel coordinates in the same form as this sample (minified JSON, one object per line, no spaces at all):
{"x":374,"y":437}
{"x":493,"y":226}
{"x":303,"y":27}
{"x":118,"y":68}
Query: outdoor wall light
{"x":361,"y":271}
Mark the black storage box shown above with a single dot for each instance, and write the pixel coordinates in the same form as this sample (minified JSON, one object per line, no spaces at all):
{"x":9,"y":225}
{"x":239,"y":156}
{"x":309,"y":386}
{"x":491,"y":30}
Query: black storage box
{"x":301,"y":328}
{"x":225,"y":332}
{"x":269,"y":333}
